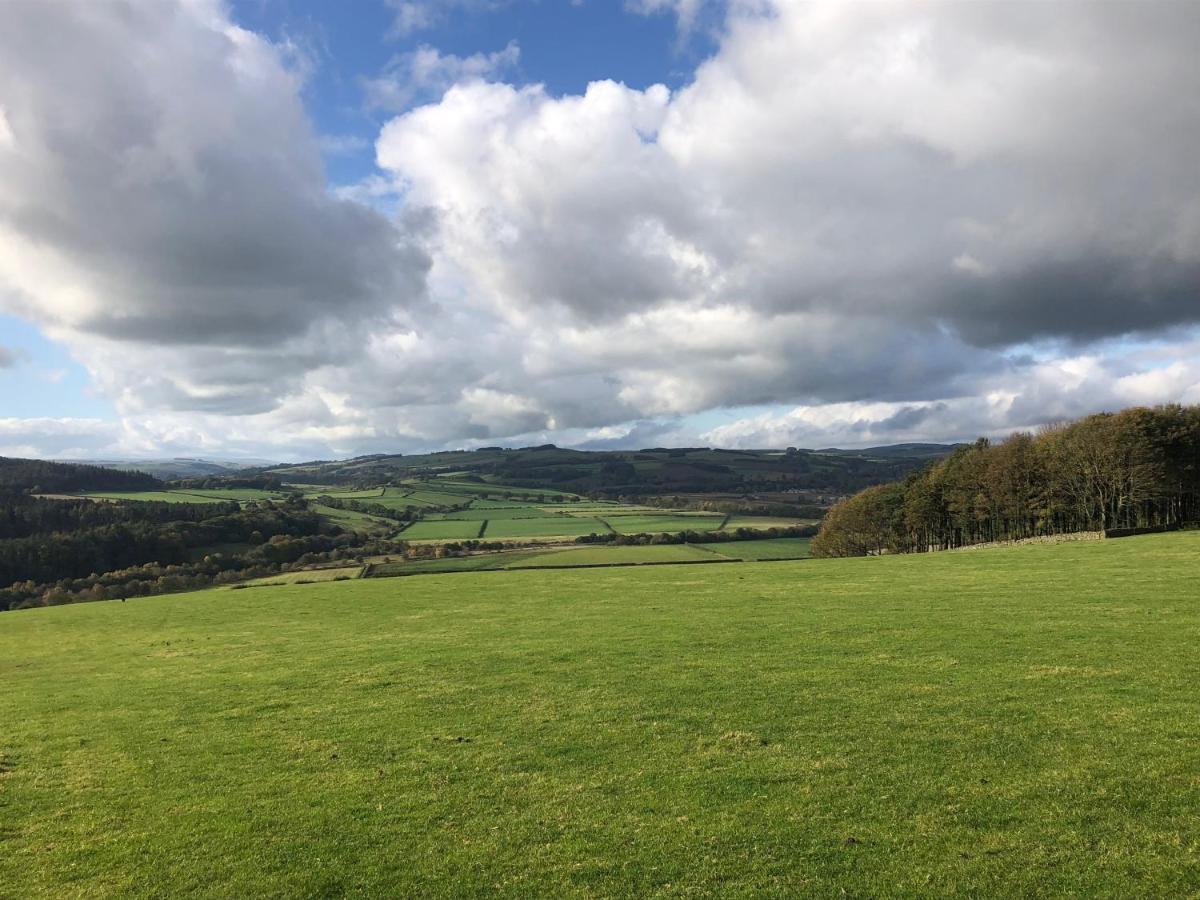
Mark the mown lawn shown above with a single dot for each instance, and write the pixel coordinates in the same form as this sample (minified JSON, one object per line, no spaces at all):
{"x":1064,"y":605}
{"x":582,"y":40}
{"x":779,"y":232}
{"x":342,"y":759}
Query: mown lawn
{"x":1020,"y":722}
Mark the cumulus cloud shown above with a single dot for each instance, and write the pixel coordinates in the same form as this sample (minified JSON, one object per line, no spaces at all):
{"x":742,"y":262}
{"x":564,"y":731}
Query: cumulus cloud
{"x":163,"y":207}
{"x":897,"y":221}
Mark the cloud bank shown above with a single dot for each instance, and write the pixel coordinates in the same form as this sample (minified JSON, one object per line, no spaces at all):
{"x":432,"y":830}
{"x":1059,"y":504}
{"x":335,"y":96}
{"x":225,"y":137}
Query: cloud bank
{"x":901,"y":221}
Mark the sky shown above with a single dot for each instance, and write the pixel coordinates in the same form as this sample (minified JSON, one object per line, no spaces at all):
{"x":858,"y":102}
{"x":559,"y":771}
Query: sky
{"x":293,"y":229}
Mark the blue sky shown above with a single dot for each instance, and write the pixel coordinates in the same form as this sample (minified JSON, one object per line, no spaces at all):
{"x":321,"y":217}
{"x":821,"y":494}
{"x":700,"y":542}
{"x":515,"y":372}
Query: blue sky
{"x":294,"y":229}
{"x":563,"y":45}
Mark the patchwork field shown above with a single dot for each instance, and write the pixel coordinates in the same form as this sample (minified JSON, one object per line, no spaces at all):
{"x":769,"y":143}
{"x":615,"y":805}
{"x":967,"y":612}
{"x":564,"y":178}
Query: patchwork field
{"x":1018,"y":722}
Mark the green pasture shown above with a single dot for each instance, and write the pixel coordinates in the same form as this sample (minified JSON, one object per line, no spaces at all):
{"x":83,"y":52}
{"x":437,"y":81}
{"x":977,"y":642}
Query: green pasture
{"x":765,"y":522}
{"x":771,"y":548}
{"x":239,"y":494}
{"x":160,"y":496}
{"x":1002,"y":723}
{"x":441,"y":530}
{"x":354,"y":521}
{"x":478,"y":515}
{"x":639,"y":524}
{"x":610,"y":555}
{"x":305,"y":576}
{"x":546,"y":526}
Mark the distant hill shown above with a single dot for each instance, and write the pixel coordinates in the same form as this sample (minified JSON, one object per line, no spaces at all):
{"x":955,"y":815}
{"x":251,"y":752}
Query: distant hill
{"x":897,"y":451}
{"x":651,"y":471}
{"x":40,"y":476}
{"x":177,"y":467}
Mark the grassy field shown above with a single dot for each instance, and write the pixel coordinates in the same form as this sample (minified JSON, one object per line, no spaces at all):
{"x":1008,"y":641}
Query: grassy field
{"x":339,"y":573}
{"x":591,"y":556}
{"x":765,"y":522}
{"x":638,"y":524}
{"x":354,"y":521}
{"x":160,"y":496}
{"x":775,"y":548}
{"x":441,"y":530}
{"x":478,"y":515}
{"x":567,"y":526}
{"x":1019,"y":722}
{"x":476,"y":563}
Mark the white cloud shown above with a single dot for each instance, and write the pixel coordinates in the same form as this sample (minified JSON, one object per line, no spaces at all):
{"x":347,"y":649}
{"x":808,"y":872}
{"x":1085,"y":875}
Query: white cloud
{"x":865,"y":212}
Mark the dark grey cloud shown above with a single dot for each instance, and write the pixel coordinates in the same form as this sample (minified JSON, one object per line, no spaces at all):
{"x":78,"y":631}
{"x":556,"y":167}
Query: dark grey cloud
{"x":9,"y":358}
{"x":1081,"y":299}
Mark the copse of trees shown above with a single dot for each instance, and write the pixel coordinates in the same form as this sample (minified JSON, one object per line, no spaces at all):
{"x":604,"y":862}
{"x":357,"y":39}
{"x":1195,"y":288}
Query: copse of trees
{"x":22,"y":515}
{"x":1138,"y":468}
{"x":41,"y":477}
{"x":77,"y":552}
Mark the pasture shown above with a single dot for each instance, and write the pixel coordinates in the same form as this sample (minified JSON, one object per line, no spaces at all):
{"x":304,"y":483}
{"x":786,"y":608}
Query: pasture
{"x":445,"y":530}
{"x":147,"y":496}
{"x":771,"y":548}
{"x":546,"y":526}
{"x":1016,"y":722}
{"x":648,"y":524}
{"x":633,"y":555}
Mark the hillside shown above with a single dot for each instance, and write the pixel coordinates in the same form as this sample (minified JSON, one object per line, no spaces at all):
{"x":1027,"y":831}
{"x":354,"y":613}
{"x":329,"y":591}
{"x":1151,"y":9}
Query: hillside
{"x":41,"y":476}
{"x":999,"y":723}
{"x":654,"y":471}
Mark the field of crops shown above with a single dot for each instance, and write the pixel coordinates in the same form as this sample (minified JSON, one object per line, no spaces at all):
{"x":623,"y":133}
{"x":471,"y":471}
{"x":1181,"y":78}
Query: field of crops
{"x":1001,"y":723}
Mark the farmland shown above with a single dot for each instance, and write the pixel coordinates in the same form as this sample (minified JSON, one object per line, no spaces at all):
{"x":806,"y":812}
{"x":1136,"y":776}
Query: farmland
{"x":778,"y":548}
{"x":1007,"y":722}
{"x":637,"y":524}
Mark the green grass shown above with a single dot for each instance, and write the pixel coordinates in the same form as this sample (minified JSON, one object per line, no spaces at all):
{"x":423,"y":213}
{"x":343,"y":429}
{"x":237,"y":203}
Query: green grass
{"x":765,"y":522}
{"x":161,"y":496}
{"x":475,"y":563}
{"x":639,"y":524}
{"x":355,"y":521}
{"x":774,"y":548}
{"x":478,"y":515}
{"x":307,"y":575}
{"x":241,"y":494}
{"x":608,"y":555}
{"x":548,"y":526}
{"x":443,"y":530}
{"x":367,"y":496}
{"x":1017,"y":722}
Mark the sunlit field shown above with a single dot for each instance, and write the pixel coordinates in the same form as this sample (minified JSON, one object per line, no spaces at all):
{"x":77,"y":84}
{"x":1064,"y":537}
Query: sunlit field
{"x":1018,"y":722}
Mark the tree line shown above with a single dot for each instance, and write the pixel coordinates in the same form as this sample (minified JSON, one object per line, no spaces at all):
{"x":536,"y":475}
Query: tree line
{"x":42,"y":477}
{"x":1138,"y":468}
